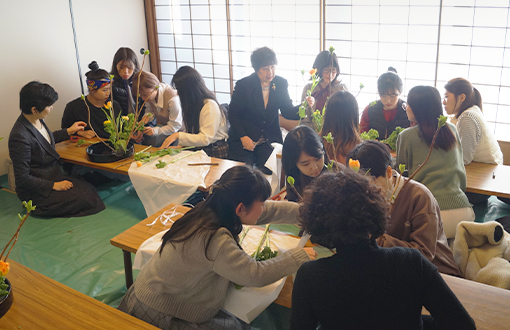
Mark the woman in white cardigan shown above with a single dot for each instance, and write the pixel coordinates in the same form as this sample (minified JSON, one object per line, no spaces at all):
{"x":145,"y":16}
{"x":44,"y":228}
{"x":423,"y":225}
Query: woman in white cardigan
{"x":204,"y":121}
{"x":478,"y":143}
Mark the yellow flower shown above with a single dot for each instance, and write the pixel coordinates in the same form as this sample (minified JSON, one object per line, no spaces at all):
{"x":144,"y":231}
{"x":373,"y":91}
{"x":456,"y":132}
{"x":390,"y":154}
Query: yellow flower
{"x":4,"y":268}
{"x":108,"y":105}
{"x":354,"y":165}
{"x":125,"y":118}
{"x":138,"y":164}
{"x":106,"y":122}
{"x":317,"y":112}
{"x":313,"y":71}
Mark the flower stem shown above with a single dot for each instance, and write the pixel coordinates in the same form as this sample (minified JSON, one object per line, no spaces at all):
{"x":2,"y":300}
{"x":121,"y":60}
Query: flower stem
{"x":92,"y":128}
{"x":15,"y":237}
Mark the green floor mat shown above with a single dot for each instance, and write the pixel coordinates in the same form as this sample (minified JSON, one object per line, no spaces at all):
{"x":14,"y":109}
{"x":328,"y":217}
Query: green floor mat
{"x":77,"y":251}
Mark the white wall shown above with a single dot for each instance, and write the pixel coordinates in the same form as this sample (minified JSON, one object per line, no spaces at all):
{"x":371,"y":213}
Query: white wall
{"x":37,"y":43}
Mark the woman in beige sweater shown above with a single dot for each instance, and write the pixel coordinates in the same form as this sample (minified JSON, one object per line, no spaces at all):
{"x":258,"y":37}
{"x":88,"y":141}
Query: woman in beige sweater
{"x":186,"y":281}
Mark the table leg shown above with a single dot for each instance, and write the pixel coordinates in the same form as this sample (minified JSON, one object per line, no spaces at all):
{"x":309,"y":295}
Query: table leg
{"x":128,"y":268}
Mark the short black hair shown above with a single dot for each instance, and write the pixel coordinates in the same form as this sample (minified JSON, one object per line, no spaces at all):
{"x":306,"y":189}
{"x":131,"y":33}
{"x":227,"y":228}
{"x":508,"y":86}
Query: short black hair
{"x":38,"y":95}
{"x":343,"y":208}
{"x":323,"y":61}
{"x":389,"y":80}
{"x":374,"y":157}
{"x":262,"y":57}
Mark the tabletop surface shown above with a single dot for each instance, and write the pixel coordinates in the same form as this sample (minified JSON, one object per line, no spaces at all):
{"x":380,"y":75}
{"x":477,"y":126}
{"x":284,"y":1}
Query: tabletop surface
{"x":70,"y":153}
{"x":488,"y":179}
{"x":487,"y":305}
{"x":42,"y":303}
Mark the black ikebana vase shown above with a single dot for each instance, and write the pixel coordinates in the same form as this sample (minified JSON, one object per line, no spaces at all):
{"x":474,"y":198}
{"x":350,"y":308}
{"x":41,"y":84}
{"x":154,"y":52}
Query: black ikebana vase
{"x":6,"y":301}
{"x":99,"y":153}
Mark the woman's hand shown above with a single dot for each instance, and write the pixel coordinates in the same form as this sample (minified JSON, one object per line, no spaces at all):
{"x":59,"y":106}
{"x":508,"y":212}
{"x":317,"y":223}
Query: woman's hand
{"x":169,"y":140}
{"x":146,"y":118}
{"x":77,"y":126}
{"x":62,"y":185}
{"x":137,"y":136}
{"x":310,"y":100}
{"x":248,"y":143}
{"x":86,"y":134}
{"x":148,"y":131}
{"x":311,"y":253}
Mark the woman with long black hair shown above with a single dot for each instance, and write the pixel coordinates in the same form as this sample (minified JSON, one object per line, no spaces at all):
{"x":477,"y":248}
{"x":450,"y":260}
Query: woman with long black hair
{"x":204,"y":120}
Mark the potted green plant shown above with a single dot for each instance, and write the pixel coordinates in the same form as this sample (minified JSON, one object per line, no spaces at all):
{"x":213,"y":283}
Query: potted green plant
{"x":6,"y":297}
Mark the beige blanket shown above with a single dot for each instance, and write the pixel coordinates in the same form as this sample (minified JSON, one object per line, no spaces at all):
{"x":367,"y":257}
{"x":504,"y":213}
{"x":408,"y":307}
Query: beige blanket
{"x":482,"y":253}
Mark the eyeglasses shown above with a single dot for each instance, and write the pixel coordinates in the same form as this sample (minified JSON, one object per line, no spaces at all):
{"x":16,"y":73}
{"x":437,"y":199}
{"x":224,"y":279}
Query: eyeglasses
{"x":404,"y":106}
{"x":328,"y":71}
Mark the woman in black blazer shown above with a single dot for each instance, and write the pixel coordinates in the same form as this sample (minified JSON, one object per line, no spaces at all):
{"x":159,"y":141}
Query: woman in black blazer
{"x":37,"y":173}
{"x":253,"y":111}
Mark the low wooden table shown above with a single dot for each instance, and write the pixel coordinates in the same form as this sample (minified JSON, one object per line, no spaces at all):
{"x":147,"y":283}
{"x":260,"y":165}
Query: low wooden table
{"x":487,"y":305}
{"x":70,"y":153}
{"x":488,"y":179}
{"x":42,"y":303}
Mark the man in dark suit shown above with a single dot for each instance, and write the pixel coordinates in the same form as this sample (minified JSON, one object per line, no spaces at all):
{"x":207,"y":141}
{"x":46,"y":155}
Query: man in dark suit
{"x":253,"y":111}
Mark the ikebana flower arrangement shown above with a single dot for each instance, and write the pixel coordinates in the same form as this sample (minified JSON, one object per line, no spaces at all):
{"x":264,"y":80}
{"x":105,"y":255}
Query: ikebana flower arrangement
{"x":259,"y":255}
{"x":372,"y":134}
{"x":4,"y":265}
{"x":121,"y":128}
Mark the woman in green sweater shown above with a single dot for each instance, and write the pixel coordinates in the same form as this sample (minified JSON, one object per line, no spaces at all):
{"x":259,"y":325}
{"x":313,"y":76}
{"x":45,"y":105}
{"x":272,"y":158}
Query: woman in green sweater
{"x":444,"y":172}
{"x":184,"y":285}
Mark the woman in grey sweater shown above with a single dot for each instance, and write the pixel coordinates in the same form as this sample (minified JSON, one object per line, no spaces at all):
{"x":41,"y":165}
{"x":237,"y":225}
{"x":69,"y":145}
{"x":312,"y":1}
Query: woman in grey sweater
{"x":185,"y":283}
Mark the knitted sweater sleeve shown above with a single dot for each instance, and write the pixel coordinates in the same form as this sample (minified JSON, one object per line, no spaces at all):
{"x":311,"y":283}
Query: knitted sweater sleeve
{"x":470,"y":133}
{"x":442,"y":303}
{"x":237,"y":266}
{"x":279,"y":212}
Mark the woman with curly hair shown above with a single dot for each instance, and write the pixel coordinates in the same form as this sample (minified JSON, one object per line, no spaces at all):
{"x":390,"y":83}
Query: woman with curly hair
{"x":364,"y":286}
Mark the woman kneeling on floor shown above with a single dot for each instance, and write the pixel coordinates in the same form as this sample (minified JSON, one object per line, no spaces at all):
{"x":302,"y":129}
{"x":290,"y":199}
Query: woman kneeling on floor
{"x":184,"y":284}
{"x":37,"y":172}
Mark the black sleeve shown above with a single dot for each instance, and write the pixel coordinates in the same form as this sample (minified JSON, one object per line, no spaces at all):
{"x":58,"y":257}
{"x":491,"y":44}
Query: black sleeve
{"x":20,"y":151}
{"x":61,"y":135}
{"x":235,"y":110}
{"x":303,"y":315}
{"x":69,"y":118}
{"x":288,"y":110}
{"x":441,"y":302}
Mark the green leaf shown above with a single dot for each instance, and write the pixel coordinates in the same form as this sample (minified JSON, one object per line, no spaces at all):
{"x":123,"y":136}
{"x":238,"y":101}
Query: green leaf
{"x":331,"y":50}
{"x":161,"y":164}
{"x":303,"y":72}
{"x":441,"y":121}
{"x":402,"y":168}
{"x":329,"y":138}
{"x":302,"y":112}
{"x":82,"y":97}
{"x":372,"y":134}
{"x":291,"y":181}
{"x":361,"y":86}
{"x":146,"y":52}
